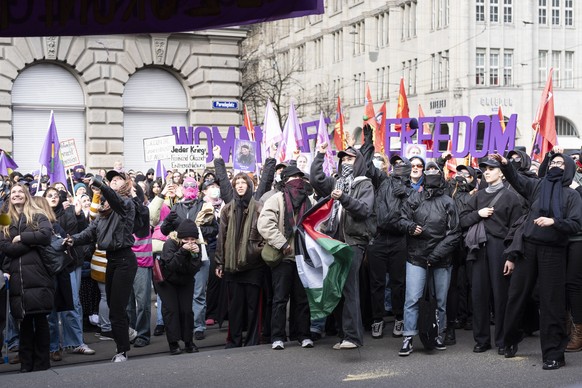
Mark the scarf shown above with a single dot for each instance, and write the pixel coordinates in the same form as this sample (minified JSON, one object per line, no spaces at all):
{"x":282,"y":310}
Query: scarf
{"x":343,"y":183}
{"x":296,"y":202}
{"x":494,"y":188}
{"x":418,"y":185}
{"x":238,"y":233}
{"x":551,"y":194}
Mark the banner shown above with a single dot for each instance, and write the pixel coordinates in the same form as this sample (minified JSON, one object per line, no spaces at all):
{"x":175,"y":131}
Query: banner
{"x":245,"y":158}
{"x":188,"y":157}
{"x":86,"y":17}
{"x":69,"y":153}
{"x":156,"y":148}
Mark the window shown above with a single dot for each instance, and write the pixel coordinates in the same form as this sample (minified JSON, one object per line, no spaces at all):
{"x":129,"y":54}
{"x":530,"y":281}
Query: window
{"x":336,"y":6}
{"x":446,"y":72}
{"x":380,"y":73}
{"x":556,"y":12}
{"x":301,"y":57}
{"x":412,"y":20}
{"x":569,"y":70}
{"x":508,"y":11}
{"x":382,"y":30}
{"x":433,"y":73}
{"x":359,"y":36}
{"x":318,"y":62}
{"x":413,"y":75}
{"x":359,"y":88}
{"x":568,"y":13}
{"x":338,"y":48}
{"x":480,"y":10}
{"x":508,"y":68}
{"x":300,"y":23}
{"x":542,"y":12}
{"x":494,"y":11}
{"x":542,"y":67}
{"x":480,"y":67}
{"x":556,"y":56}
{"x":565,"y":128}
{"x":494,"y":67}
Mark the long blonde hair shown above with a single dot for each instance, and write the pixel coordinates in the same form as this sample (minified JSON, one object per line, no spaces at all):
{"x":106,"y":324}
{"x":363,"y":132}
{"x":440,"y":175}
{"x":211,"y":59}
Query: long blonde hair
{"x":46,"y":208}
{"x":30,"y":209}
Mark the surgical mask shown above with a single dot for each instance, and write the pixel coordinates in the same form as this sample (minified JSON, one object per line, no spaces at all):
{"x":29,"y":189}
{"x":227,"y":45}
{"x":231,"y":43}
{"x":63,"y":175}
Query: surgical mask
{"x":377,"y":164}
{"x":214,"y":192}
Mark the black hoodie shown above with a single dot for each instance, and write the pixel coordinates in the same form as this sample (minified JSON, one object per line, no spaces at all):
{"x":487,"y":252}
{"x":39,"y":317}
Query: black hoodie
{"x":571,"y":221}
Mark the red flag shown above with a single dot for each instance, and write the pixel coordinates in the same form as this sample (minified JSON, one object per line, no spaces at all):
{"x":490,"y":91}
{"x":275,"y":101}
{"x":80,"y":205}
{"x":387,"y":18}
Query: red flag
{"x":248,"y":123}
{"x":369,"y":115}
{"x":380,"y":133}
{"x":339,"y":136}
{"x":451,"y":164}
{"x":501,"y":118}
{"x":402,"y":109}
{"x":425,"y":129}
{"x":545,"y":123}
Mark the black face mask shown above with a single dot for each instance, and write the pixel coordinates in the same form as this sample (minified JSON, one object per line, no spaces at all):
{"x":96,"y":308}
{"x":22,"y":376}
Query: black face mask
{"x":432,"y":181}
{"x":308,"y":189}
{"x":401,"y":170}
{"x":460,"y":180}
{"x":516,"y":165}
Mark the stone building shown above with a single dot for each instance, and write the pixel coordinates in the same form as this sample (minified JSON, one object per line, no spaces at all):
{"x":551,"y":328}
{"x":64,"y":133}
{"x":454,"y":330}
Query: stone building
{"x":108,"y":93}
{"x":457,"y":58}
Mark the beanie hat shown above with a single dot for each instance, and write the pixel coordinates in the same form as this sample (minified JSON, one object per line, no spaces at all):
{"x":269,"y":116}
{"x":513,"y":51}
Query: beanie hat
{"x":187,"y":228}
{"x":78,"y":186}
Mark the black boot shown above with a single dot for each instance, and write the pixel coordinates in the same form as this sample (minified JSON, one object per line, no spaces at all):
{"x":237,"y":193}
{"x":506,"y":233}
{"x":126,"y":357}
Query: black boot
{"x":190,"y":347}
{"x":175,"y":348}
{"x":450,"y":338}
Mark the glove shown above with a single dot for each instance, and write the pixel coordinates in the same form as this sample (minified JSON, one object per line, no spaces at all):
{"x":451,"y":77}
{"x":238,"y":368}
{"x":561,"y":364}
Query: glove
{"x":367,"y":133}
{"x":171,"y":219}
{"x":399,"y":190}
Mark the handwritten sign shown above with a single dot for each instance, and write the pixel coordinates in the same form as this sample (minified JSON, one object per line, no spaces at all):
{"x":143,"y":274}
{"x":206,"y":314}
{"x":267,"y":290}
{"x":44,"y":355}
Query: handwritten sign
{"x":69,"y":153}
{"x":156,"y":148}
{"x":188,"y":157}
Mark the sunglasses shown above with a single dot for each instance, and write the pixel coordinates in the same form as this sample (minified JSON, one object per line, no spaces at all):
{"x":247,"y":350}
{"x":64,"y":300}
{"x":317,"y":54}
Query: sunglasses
{"x":414,"y":165}
{"x":187,"y":185}
{"x":52,"y":196}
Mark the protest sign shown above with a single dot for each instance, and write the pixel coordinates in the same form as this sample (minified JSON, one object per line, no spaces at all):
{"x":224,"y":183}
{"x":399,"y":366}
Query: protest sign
{"x":244,"y":158}
{"x":69,"y":154}
{"x":188,"y":157}
{"x":156,"y":148}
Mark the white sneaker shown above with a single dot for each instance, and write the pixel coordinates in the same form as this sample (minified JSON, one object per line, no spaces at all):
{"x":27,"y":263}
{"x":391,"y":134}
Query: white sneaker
{"x":119,"y":357}
{"x":307,"y":343}
{"x":94,"y":319}
{"x":377,"y":329}
{"x":348,"y":345}
{"x":83,"y":349}
{"x":398,"y":329}
{"x":337,"y":346}
{"x":132,"y":334}
{"x":278,"y":345}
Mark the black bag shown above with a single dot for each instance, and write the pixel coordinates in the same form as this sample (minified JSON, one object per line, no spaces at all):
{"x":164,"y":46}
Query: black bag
{"x":428,"y":328}
{"x":55,"y":256}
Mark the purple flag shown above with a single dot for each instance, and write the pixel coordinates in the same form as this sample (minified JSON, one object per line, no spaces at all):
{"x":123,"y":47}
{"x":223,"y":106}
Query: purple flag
{"x":50,"y":156}
{"x":161,"y":170}
{"x":3,"y":167}
{"x":65,"y":18}
{"x":323,"y":137}
{"x":8,"y":161}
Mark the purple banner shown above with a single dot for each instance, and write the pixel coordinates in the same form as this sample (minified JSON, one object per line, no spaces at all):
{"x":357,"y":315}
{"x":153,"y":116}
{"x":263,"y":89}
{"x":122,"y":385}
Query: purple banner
{"x":99,"y":17}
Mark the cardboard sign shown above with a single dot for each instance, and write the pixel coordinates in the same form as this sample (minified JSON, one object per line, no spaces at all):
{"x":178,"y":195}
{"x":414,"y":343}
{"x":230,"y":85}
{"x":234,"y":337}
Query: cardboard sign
{"x":69,"y":154}
{"x":188,"y":157}
{"x":156,"y":148}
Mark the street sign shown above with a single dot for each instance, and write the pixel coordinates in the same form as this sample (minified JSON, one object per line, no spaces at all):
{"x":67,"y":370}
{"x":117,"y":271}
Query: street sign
{"x":224,"y":104}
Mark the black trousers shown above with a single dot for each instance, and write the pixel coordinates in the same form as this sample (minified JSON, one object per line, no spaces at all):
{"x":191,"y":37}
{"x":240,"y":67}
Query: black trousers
{"x":244,"y":306}
{"x":213,"y":290}
{"x":465,"y":290}
{"x":574,"y":280}
{"x":119,"y":276}
{"x":547,"y":265}
{"x":387,"y":254}
{"x":286,"y":283}
{"x":488,"y":279}
{"x":34,"y":343}
{"x":177,"y":310}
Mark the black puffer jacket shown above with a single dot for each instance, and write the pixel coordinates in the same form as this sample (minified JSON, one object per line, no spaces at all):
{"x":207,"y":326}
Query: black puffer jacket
{"x":189,"y":210}
{"x":178,"y":265}
{"x":115,"y":231}
{"x":437,"y":215}
{"x":31,"y":286}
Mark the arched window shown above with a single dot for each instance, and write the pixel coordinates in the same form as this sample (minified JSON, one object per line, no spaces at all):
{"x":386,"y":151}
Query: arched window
{"x":564,"y":127}
{"x":153,"y":102}
{"x":36,"y":91}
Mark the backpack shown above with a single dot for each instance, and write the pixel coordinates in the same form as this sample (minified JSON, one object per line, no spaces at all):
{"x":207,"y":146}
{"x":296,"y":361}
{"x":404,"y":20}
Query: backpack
{"x":428,"y":327}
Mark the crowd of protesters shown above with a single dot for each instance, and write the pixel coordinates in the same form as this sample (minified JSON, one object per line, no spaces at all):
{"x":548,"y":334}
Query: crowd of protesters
{"x":500,"y":242}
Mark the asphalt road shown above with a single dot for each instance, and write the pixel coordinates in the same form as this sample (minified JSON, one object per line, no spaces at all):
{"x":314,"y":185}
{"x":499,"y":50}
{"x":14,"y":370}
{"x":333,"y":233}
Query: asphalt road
{"x":375,"y":364}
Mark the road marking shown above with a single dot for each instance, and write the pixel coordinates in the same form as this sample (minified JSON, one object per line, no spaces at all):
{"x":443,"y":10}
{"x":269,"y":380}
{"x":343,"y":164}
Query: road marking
{"x":369,"y":376}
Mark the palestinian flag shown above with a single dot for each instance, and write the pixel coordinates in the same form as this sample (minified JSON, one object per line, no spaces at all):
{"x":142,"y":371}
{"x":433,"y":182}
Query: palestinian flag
{"x":323,"y":263}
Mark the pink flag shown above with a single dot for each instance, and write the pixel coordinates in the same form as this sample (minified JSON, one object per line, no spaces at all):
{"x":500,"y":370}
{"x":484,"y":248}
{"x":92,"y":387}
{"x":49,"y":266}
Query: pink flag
{"x":323,"y":137}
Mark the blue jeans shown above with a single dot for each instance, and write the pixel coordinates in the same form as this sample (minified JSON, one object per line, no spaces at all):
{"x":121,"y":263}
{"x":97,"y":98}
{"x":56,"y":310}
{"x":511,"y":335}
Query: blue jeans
{"x":199,"y":301}
{"x":104,"y":322}
{"x":160,"y":318}
{"x":318,"y":325}
{"x":71,"y":321}
{"x":415,"y":281}
{"x":139,"y":308}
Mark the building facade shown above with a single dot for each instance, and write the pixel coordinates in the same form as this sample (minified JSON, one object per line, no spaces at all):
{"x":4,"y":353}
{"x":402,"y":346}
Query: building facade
{"x":457,"y":58}
{"x":109,"y":93}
